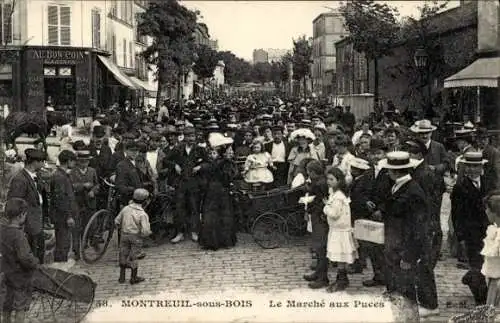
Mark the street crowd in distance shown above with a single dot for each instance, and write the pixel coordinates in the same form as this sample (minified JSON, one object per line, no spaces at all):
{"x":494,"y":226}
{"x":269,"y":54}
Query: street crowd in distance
{"x":382,"y":171}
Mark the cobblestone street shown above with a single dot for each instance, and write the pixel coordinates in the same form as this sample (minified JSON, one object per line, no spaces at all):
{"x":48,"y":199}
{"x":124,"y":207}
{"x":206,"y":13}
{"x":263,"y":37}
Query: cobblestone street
{"x":186,"y":269}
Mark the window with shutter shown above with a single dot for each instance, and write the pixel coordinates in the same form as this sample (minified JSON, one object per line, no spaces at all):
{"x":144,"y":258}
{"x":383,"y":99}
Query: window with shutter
{"x":96,"y":28}
{"x":124,"y":53}
{"x":65,"y":14}
{"x":6,"y":30}
{"x":53,"y":23}
{"x":113,"y":48}
{"x":131,"y":54}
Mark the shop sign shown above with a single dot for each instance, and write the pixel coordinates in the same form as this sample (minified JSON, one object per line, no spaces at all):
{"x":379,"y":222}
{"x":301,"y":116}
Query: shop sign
{"x":54,"y":56}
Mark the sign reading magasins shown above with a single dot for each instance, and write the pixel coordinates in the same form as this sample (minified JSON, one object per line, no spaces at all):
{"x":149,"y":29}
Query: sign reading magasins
{"x":50,"y":54}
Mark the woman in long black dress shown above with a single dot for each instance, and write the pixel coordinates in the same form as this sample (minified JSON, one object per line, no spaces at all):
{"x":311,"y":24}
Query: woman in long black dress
{"x":218,"y":223}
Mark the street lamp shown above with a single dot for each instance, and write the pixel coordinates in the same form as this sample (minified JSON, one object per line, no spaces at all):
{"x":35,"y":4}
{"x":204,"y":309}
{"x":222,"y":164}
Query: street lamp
{"x":421,"y":59}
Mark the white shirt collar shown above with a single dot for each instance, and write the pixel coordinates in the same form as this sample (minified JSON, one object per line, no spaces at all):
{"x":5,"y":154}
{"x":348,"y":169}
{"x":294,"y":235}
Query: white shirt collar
{"x":33,"y":175}
{"x":428,"y":144}
{"x":400,"y":182}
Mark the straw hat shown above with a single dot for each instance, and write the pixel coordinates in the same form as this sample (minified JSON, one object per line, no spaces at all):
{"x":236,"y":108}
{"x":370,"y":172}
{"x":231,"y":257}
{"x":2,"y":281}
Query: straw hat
{"x":398,"y":160}
{"x":360,"y":163}
{"x":472,"y":158}
{"x":422,"y":126}
{"x":217,"y":139}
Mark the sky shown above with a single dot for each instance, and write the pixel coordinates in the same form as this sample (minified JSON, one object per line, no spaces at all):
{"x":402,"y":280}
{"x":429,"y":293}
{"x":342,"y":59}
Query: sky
{"x":242,"y":26}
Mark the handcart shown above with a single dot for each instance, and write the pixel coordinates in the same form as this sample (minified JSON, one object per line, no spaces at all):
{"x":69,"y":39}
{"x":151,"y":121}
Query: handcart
{"x":60,"y":296}
{"x":273,"y":216}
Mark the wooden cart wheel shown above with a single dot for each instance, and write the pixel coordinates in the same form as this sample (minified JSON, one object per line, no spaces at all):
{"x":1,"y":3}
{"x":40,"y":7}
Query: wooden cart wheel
{"x":71,"y":310}
{"x":40,"y":307}
{"x":270,"y":230}
{"x":97,"y":235}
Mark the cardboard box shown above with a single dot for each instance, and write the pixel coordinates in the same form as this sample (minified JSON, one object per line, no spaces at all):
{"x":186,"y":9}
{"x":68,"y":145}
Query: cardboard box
{"x":368,"y":230}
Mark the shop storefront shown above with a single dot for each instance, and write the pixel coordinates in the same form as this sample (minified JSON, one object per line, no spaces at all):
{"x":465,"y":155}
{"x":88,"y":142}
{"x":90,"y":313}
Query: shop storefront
{"x":59,"y":77}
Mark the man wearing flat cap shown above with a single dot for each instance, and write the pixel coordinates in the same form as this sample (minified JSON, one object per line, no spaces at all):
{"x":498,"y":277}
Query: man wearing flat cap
{"x":25,"y":185}
{"x":63,"y":205}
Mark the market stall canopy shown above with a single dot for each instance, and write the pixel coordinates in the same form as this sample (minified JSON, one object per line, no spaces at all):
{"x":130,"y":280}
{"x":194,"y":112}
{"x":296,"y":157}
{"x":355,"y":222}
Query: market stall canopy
{"x":484,"y":72}
{"x":119,"y":75}
{"x":143,"y":84}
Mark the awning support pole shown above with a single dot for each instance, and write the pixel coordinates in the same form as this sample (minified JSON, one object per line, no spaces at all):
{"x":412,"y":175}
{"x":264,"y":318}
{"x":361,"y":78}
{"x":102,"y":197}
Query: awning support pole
{"x":478,"y":108}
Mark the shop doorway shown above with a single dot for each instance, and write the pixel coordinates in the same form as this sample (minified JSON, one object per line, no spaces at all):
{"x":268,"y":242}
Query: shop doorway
{"x":60,"y":89}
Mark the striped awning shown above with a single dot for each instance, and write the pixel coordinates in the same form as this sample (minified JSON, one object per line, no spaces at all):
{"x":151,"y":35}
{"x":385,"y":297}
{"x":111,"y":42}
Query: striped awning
{"x":119,"y":75}
{"x":484,"y":72}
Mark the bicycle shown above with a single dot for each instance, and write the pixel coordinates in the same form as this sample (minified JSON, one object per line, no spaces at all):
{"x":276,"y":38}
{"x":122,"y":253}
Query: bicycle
{"x":100,"y":228}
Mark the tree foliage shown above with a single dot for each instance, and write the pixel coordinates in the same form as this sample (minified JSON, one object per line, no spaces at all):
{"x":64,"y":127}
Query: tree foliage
{"x":236,"y":69}
{"x":206,"y":62}
{"x":301,"y":58}
{"x":372,"y":26}
{"x":172,"y":27}
{"x":262,"y":72}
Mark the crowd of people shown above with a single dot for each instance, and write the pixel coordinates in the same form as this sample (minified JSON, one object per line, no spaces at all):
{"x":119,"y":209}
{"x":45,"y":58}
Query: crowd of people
{"x":386,"y":170}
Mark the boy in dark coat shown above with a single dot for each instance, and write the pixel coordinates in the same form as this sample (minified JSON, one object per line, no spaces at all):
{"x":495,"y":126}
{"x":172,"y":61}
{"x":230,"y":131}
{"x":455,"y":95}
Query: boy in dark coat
{"x":319,"y":189}
{"x":360,"y":194}
{"x":470,"y":220}
{"x":63,"y":205}
{"x":18,"y":263}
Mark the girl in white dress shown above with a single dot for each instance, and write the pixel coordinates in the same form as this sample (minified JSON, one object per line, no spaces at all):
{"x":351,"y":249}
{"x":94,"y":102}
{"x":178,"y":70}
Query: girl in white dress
{"x":256,"y":165}
{"x":491,"y":250}
{"x":341,"y":245}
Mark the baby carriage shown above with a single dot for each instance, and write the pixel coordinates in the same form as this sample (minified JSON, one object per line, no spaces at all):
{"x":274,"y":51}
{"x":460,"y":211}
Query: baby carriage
{"x":60,"y":296}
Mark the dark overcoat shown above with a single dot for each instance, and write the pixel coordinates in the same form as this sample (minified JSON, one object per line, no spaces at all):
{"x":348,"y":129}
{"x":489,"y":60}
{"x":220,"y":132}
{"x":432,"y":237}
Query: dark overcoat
{"x":23,"y":186}
{"x":127,"y":180}
{"x":63,"y":203}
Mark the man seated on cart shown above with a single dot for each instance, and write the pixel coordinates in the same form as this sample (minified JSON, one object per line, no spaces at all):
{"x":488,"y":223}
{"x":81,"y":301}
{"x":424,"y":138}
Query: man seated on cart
{"x":18,"y":263}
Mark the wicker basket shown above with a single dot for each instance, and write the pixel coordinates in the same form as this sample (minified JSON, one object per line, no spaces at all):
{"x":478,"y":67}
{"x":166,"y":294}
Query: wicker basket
{"x":479,"y":314}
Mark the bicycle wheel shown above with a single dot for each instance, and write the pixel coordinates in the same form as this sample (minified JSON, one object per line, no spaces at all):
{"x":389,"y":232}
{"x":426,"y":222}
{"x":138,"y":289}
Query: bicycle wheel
{"x":97,"y":235}
{"x":270,"y":230}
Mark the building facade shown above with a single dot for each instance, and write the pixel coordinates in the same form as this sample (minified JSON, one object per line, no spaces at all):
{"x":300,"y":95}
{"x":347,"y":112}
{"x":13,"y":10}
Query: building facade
{"x":328,"y":28}
{"x":260,"y":56}
{"x":78,"y":56}
{"x":351,"y":69}
{"x":455,"y":34}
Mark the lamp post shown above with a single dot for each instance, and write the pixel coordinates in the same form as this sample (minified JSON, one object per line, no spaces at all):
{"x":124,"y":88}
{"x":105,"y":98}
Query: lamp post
{"x":421,"y":59}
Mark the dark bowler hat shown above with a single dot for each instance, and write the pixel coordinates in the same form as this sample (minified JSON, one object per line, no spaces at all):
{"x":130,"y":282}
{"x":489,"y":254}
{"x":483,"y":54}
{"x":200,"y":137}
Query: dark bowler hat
{"x":277,"y":128}
{"x":131,"y":145}
{"x":34,"y":154}
{"x":79,"y":145}
{"x":66,"y":156}
{"x":377,"y":144}
{"x":483,"y":133}
{"x":83,"y":154}
{"x":129,"y":136}
{"x":415,"y":146}
{"x":189,"y":131}
{"x":99,"y":132}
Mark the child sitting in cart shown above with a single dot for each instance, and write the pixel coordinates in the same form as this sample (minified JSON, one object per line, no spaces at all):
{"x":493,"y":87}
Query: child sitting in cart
{"x":18,"y":263}
{"x":256,"y":170}
{"x":133,"y":224}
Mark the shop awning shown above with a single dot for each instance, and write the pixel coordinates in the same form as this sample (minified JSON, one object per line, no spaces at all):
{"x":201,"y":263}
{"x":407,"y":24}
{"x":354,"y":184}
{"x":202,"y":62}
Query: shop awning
{"x":484,"y":72}
{"x":119,"y":75}
{"x":142,"y":84}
